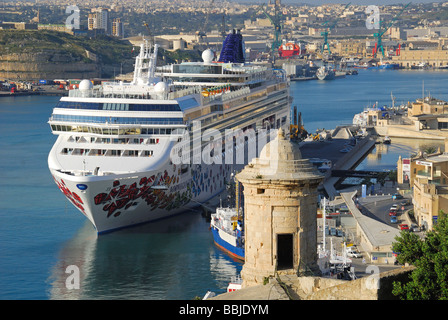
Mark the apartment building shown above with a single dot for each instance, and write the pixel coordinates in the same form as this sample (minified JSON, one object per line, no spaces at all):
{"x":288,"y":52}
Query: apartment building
{"x":117,"y":28}
{"x":99,"y":20}
{"x":430,"y":189}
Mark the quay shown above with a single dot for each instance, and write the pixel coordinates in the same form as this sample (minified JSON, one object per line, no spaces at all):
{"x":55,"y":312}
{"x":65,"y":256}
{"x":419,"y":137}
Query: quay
{"x":331,"y":149}
{"x":43,"y":92}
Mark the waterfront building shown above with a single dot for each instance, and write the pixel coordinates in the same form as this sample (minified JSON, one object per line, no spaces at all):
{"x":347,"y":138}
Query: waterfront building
{"x":429,"y":113}
{"x":280,"y":212}
{"x":413,"y":58}
{"x":350,"y":48}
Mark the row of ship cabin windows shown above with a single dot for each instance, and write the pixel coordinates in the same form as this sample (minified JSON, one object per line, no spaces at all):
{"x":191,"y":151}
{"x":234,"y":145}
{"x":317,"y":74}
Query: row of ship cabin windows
{"x":83,"y":139}
{"x":117,"y":106}
{"x":107,"y":152}
{"x":111,"y":131}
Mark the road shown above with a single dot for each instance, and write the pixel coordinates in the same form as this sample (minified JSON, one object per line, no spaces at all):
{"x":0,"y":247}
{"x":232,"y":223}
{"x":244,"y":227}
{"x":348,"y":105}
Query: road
{"x":379,"y":210}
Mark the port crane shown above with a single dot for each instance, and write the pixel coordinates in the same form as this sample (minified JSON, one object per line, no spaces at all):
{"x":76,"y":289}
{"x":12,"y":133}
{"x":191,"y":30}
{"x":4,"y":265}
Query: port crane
{"x":276,"y":21}
{"x":202,"y":33}
{"x":378,"y":35}
{"x":327,"y":30}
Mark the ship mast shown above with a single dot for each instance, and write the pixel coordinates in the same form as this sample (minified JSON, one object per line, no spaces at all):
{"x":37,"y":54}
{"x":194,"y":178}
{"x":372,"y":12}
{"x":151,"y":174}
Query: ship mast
{"x":145,"y":62}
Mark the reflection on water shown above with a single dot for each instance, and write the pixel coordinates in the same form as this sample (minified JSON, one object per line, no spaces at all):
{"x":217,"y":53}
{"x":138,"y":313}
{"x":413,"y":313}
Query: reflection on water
{"x":385,"y":157}
{"x":171,"y":259}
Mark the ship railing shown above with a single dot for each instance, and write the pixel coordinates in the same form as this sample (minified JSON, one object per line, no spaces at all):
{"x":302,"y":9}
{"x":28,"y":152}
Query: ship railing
{"x":235,"y":94}
{"x":120,"y":94}
{"x":184,"y":92}
{"x":217,"y":222}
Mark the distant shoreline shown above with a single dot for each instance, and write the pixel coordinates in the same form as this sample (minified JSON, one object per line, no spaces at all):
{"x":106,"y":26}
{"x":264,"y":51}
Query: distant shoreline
{"x":34,"y":93}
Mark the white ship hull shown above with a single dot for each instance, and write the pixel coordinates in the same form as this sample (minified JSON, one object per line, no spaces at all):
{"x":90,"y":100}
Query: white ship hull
{"x":111,"y":203}
{"x":122,"y":156}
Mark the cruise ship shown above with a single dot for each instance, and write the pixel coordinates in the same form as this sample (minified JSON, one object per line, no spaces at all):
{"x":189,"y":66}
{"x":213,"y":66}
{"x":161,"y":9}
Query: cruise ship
{"x":128,"y":153}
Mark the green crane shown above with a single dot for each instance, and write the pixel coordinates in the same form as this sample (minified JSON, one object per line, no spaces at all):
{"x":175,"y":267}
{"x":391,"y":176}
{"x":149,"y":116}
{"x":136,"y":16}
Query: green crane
{"x":327,"y":30}
{"x":378,"y":35}
{"x":276,"y":21}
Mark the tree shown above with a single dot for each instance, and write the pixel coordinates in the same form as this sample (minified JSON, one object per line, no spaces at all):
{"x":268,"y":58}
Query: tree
{"x":429,"y":279}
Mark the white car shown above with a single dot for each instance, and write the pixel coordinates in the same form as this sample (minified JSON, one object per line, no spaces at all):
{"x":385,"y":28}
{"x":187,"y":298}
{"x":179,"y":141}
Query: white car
{"x":353,"y":254}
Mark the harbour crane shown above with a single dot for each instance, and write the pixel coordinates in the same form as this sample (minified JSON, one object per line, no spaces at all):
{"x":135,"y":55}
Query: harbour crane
{"x":150,"y":35}
{"x":327,"y":30}
{"x":378,"y":35}
{"x":202,"y":33}
{"x":276,"y":21}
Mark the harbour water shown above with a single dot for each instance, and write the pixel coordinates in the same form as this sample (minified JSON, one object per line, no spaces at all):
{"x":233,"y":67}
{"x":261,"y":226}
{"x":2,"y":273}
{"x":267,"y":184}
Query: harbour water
{"x":42,"y":235}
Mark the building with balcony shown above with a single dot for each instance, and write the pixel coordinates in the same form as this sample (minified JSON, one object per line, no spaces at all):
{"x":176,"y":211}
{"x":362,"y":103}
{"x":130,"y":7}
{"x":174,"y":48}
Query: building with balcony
{"x":430,"y":188}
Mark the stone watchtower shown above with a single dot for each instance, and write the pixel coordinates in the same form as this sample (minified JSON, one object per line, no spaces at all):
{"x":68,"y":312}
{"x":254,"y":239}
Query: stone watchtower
{"x":280,"y":220}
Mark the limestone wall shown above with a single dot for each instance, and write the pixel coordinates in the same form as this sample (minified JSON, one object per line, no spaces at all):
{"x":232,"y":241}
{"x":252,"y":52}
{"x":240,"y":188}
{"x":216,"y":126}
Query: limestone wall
{"x":46,"y":65}
{"x":374,"y":287}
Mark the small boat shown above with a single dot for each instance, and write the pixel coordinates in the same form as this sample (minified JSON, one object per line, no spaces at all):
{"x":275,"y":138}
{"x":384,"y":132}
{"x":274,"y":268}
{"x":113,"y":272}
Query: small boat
{"x":325,"y":73}
{"x":421,"y":66}
{"x":386,"y":140}
{"x":228,"y":234}
{"x":235,"y":284}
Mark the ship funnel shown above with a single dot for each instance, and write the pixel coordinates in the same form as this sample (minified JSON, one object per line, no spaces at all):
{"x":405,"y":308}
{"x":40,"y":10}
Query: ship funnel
{"x":233,"y":48}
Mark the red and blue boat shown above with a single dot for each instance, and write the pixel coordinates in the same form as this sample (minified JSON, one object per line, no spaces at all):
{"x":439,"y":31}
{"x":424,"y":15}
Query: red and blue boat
{"x":228,"y":232}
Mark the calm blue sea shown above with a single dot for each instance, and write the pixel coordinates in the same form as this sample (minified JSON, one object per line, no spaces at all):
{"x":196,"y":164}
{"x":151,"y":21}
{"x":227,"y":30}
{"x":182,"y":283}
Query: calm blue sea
{"x":41,"y":234}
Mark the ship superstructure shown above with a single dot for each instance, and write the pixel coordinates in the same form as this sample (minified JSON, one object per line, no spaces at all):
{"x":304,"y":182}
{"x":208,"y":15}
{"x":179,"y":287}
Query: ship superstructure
{"x":129,"y":153}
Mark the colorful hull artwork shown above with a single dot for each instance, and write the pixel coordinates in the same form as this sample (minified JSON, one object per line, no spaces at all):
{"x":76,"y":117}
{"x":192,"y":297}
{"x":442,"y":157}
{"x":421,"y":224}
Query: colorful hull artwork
{"x":125,"y":201}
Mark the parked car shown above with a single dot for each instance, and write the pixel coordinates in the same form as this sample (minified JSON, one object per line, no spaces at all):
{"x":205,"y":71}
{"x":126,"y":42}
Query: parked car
{"x":333,"y":231}
{"x":405,"y":202}
{"x":393,"y":219}
{"x":414,"y":228}
{"x":353,"y":253}
{"x":339,"y":233}
{"x":404,"y":226}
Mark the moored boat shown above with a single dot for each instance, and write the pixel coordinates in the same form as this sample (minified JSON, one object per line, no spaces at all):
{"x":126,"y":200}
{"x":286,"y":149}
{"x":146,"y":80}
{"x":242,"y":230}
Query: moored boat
{"x":325,"y":73}
{"x":228,"y":233}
